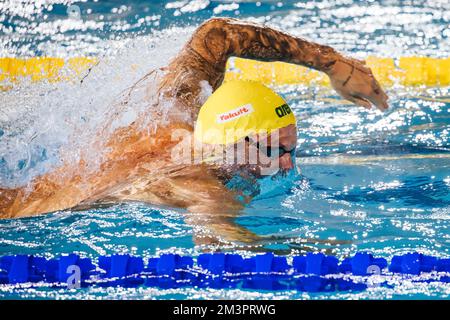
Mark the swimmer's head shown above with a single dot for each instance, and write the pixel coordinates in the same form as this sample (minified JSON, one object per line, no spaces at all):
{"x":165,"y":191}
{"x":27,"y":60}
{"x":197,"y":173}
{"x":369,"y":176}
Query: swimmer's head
{"x":247,"y":124}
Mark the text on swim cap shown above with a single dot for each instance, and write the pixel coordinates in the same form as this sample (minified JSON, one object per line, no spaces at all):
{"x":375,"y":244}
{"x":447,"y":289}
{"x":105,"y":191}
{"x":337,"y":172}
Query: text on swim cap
{"x":283,"y":110}
{"x":235,"y":113}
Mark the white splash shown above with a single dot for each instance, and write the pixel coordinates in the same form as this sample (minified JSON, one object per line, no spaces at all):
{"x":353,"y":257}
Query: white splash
{"x":47,"y":123}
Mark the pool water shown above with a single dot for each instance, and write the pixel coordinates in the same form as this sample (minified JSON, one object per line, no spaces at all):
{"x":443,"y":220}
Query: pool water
{"x":372,"y":181}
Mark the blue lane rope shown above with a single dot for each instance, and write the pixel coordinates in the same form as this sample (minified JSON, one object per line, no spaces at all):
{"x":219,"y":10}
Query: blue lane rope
{"x":314,"y":272}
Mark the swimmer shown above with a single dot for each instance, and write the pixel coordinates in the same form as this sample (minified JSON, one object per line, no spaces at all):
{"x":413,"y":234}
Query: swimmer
{"x":139,"y":164}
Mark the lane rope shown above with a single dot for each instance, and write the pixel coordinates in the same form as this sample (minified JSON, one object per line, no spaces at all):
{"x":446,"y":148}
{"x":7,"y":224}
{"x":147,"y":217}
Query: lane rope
{"x":313,"y":272}
{"x":407,"y":71}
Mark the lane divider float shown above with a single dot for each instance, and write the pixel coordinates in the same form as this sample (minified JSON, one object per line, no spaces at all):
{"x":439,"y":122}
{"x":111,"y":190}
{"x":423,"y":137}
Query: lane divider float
{"x":407,"y":71}
{"x":313,"y":272}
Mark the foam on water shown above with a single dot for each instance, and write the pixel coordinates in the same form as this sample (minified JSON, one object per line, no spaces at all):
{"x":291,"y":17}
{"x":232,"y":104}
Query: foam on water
{"x":45,"y":124}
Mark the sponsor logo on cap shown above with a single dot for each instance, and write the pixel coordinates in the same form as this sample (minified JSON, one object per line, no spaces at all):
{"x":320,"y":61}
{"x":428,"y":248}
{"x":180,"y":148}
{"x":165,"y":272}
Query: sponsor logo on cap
{"x":283,"y":110}
{"x":235,"y":113}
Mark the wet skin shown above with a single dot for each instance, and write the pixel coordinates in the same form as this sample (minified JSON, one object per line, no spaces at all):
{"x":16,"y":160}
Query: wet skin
{"x":139,"y":166}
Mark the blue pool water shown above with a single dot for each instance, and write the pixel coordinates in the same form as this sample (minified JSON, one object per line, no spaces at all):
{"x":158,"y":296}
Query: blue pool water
{"x":371,"y":181}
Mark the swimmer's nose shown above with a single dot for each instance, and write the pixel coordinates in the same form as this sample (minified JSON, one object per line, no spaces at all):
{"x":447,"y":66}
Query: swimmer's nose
{"x":286,"y":162}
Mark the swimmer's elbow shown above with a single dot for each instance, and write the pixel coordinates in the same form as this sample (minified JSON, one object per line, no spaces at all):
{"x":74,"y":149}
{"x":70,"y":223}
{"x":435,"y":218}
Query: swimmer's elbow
{"x":217,"y":22}
{"x":215,"y":27}
{"x":211,"y":39}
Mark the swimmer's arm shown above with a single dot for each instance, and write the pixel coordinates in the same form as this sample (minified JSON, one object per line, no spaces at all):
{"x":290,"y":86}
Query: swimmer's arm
{"x":214,"y":222}
{"x":219,"y":38}
{"x":212,"y":209}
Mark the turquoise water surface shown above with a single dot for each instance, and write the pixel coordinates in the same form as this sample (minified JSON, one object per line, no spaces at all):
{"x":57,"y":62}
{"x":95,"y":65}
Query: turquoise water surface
{"x":373,"y":181}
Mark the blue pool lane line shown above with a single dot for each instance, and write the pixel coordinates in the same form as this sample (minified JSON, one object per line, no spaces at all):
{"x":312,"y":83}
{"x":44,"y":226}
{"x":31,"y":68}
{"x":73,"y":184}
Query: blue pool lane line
{"x":310,"y":273}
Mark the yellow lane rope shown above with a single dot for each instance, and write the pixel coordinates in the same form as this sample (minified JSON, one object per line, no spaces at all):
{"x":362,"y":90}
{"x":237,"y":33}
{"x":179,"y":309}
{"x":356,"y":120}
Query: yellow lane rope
{"x":409,"y":71}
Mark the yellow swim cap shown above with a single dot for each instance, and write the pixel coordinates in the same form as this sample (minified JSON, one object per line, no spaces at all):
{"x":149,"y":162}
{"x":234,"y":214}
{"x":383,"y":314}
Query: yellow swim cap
{"x":240,"y":108}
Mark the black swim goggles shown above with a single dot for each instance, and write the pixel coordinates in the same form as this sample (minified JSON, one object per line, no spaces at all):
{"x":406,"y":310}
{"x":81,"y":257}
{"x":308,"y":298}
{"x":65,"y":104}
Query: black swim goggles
{"x":271,"y":152}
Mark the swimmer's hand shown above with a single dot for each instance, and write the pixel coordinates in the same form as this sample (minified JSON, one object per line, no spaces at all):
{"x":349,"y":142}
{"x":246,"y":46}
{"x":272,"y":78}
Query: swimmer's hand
{"x":356,"y":83}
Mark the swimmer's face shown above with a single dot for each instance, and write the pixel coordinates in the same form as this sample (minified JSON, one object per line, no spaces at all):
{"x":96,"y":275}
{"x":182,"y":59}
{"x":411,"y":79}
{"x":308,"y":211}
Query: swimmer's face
{"x":288,"y":142}
{"x":275,"y":151}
